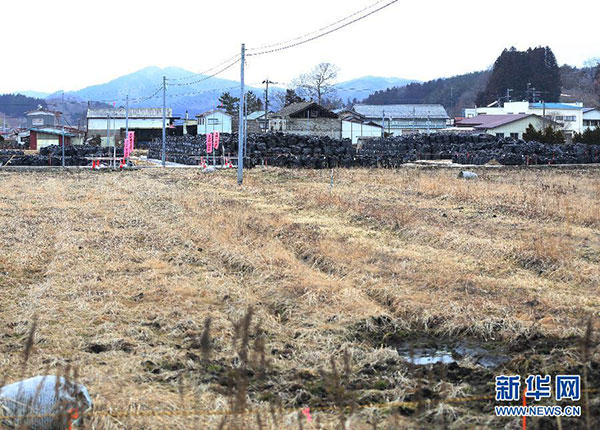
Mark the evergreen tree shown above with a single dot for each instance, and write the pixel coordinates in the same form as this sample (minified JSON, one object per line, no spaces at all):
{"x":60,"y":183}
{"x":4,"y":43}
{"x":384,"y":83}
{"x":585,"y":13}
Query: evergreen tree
{"x":531,"y":134}
{"x":589,"y":136}
{"x":548,"y":135}
{"x":229,"y":103}
{"x":253,"y":103}
{"x":292,"y":97}
{"x":514,"y":70}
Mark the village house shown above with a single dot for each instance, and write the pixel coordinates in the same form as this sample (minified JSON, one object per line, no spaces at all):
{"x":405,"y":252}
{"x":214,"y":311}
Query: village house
{"x":567,"y":116}
{"x":306,"y":118}
{"x":44,"y":129}
{"x":406,"y":118}
{"x":513,"y":125}
{"x":214,"y":120}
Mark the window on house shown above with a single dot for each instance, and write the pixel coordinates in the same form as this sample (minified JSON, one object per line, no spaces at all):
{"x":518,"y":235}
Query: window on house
{"x":499,"y":134}
{"x":515,"y":136}
{"x":201,"y":121}
{"x":213,"y":121}
{"x":569,"y":118}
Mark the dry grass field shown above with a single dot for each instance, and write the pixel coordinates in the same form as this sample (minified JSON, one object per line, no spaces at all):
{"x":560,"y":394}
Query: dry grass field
{"x":122,"y":271}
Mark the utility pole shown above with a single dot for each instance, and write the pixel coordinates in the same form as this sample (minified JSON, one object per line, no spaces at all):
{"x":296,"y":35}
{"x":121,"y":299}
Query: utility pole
{"x":528,"y":85}
{"x":126,"y":118}
{"x":240,"y":172}
{"x":267,"y":82}
{"x":451,"y":95}
{"x":383,"y":123}
{"x":108,"y":128}
{"x":164,"y":128}
{"x":63,"y":139}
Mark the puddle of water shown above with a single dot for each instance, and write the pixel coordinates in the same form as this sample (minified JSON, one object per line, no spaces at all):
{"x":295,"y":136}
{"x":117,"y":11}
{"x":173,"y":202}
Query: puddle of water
{"x":451,"y":354}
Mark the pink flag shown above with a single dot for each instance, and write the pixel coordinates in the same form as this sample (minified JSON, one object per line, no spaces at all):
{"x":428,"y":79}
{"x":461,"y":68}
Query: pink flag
{"x":126,"y":148}
{"x":306,"y":412}
{"x":216,"y":140}
{"x":209,"y":143}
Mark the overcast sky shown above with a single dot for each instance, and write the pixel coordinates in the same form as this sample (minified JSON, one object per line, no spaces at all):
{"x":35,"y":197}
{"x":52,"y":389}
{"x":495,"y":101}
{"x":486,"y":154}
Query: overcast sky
{"x":70,"y":44}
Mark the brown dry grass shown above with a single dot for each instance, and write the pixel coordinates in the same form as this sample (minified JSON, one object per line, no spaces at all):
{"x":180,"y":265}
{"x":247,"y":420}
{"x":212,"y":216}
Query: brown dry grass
{"x":132,"y":264}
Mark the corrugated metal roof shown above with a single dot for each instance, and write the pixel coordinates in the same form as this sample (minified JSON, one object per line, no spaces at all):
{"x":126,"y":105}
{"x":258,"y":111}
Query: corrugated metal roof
{"x":133,"y":113}
{"x":554,"y":106}
{"x":210,"y":112}
{"x":492,"y":121}
{"x":55,"y":131}
{"x":256,"y":115}
{"x":403,"y":111}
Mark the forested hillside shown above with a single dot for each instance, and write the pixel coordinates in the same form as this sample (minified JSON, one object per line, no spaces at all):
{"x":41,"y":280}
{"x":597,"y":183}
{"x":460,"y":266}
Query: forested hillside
{"x":15,"y":105}
{"x":527,"y":74}
{"x":453,"y":93}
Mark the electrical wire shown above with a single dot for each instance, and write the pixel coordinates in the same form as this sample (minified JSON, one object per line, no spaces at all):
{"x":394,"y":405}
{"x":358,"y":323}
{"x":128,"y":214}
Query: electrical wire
{"x":269,"y":51}
{"x":204,"y":72}
{"x":317,"y":31}
{"x":205,"y":78}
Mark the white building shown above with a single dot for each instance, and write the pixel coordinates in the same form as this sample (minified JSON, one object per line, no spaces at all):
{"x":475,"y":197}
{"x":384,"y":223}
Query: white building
{"x":406,"y":118}
{"x":504,"y":125}
{"x":146,"y":122}
{"x":214,"y":120}
{"x":591,"y":118}
{"x":569,"y":116}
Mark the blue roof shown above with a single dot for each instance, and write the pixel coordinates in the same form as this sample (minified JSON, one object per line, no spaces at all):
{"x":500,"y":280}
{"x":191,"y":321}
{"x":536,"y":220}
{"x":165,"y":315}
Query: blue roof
{"x":53,"y":131}
{"x":554,"y":106}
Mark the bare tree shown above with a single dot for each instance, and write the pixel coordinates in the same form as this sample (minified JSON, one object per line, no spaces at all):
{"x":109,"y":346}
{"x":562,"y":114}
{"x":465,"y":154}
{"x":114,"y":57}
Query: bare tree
{"x":318,"y":83}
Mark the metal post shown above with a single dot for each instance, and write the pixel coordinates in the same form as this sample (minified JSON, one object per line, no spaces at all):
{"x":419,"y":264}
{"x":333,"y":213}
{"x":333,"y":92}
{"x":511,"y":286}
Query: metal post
{"x":240,"y":172}
{"x":108,"y":128}
{"x":127,"y":117}
{"x":164,"y":118}
{"x":63,"y":140}
{"x":115,"y":142}
{"x":383,"y":123}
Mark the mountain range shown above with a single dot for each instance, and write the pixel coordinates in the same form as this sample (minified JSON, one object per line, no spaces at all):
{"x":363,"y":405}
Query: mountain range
{"x":192,"y":92}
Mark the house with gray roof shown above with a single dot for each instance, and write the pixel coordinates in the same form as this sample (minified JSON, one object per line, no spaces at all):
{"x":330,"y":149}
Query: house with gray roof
{"x":307,"y":118}
{"x":406,"y":118}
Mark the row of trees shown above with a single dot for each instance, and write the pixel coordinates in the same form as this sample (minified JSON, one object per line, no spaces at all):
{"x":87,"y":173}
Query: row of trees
{"x":316,"y":85}
{"x":547,"y":135}
{"x":589,"y":136}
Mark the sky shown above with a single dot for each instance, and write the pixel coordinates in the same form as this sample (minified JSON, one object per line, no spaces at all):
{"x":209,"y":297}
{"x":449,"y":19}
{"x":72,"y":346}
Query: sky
{"x":70,"y":44}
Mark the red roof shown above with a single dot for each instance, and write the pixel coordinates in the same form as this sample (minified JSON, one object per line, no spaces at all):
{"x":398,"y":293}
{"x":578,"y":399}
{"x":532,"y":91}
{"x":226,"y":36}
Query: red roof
{"x":491,"y":121}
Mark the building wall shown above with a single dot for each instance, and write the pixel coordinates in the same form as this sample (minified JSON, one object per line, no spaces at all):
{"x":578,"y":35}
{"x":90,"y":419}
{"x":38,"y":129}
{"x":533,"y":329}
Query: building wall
{"x":97,"y":126}
{"x":216,"y":121}
{"x":399,"y":126}
{"x":591,"y":119}
{"x":573,"y":124}
{"x":354,"y":131}
{"x":41,"y":119}
{"x":331,"y":127}
{"x":517,"y":127}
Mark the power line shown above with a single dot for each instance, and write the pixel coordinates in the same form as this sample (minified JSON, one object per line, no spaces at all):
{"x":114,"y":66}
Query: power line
{"x":207,"y":77}
{"x":316,"y":31}
{"x":204,"y":72}
{"x":292,"y":45}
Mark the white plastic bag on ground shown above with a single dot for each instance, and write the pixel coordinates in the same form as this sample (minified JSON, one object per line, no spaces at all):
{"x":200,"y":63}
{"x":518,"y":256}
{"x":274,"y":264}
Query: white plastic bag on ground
{"x":43,"y":395}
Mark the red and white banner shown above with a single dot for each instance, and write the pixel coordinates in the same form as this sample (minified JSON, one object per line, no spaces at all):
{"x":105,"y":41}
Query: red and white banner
{"x":216,"y":139}
{"x":209,"y":143}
